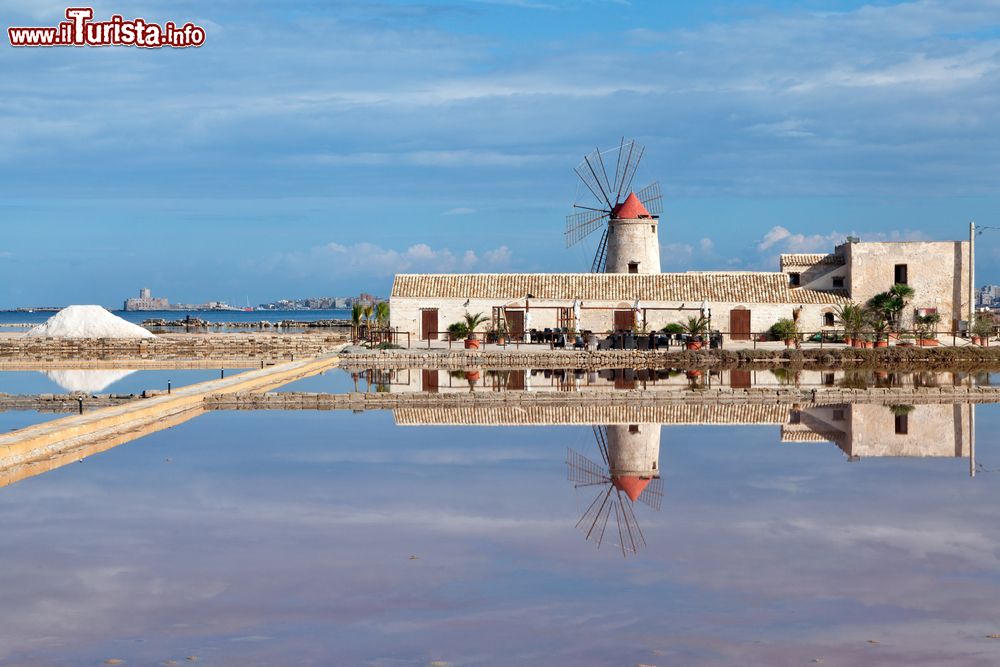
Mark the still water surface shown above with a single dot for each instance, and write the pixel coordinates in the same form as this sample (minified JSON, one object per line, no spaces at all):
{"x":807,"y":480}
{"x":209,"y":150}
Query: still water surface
{"x":319,"y":538}
{"x":105,"y":381}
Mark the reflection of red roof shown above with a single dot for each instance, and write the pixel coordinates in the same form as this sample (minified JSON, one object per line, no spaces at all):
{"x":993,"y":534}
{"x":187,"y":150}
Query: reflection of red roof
{"x":631,"y":485}
{"x":630,"y":209}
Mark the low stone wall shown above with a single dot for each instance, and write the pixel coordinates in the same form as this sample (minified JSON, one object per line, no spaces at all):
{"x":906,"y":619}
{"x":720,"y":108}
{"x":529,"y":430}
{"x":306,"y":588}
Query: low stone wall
{"x":958,"y":358}
{"x":167,"y":347}
{"x":721,"y":395}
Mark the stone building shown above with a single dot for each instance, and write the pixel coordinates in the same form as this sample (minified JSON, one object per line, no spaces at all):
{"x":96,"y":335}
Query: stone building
{"x":739,"y":303}
{"x":938,"y":272}
{"x":146,"y":301}
{"x":632,"y":293}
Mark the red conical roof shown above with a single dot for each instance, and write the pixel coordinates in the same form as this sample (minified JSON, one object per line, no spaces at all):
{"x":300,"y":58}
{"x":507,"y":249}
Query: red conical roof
{"x":631,"y":485}
{"x":630,"y":209}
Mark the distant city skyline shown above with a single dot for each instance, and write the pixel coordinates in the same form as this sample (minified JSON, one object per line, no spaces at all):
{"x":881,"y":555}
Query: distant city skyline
{"x":317,"y":150}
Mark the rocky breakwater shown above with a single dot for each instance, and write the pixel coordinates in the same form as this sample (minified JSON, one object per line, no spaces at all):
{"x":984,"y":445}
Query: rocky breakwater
{"x":198,"y":323}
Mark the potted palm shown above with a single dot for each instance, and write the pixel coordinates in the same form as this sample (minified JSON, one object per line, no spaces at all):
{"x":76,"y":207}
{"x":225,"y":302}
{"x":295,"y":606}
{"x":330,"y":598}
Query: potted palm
{"x":786,"y":330}
{"x":926,"y":326}
{"x":471,"y":322}
{"x":695,"y":328}
{"x":851,"y":317}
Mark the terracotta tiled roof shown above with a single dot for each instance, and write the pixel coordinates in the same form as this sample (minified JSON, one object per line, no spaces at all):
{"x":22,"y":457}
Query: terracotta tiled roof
{"x":526,"y":414}
{"x":692,"y":287}
{"x":811,"y":259}
{"x":790,"y":435}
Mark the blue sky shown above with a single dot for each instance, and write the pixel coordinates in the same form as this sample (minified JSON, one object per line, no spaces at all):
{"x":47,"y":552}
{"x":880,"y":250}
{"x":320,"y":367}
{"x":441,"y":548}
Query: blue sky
{"x":319,"y":148}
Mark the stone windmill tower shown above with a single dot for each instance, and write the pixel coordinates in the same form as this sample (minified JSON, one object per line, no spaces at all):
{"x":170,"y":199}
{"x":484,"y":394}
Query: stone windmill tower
{"x":629,"y":221}
{"x":630,"y":474}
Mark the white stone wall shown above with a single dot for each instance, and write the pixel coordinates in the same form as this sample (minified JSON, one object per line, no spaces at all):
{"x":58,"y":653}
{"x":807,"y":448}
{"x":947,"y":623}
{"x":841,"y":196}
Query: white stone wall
{"x":598,"y":316}
{"x":938,"y":271}
{"x":820,"y":276}
{"x":633,"y":241}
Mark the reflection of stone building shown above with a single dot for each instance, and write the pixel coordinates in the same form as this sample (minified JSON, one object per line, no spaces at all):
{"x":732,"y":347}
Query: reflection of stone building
{"x":859,"y":429}
{"x":870,"y":430}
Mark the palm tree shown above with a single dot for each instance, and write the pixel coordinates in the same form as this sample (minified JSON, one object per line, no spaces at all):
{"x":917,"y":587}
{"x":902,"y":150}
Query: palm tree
{"x":901,"y":296}
{"x":473,"y":321}
{"x":367,"y":310}
{"x":382,"y":312}
{"x":382,"y":316}
{"x":356,"y":315}
{"x":852,"y":318}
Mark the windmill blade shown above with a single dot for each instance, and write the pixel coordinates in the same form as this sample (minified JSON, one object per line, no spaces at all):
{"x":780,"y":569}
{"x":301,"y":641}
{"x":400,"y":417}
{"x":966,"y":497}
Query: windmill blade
{"x":601,"y":435}
{"x":636,"y":540}
{"x":590,"y":171}
{"x":651,"y":198}
{"x":652,"y":495}
{"x":595,"y":520}
{"x":579,"y":225}
{"x":635,"y":157}
{"x":583,"y":472}
{"x":618,"y":170}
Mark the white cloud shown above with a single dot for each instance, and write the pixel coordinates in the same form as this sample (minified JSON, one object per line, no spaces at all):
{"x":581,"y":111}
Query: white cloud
{"x":373,"y":260}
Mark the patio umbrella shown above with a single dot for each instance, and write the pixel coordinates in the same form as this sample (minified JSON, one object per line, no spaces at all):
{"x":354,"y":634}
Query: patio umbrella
{"x":576,"y":315}
{"x":638,"y":314}
{"x":527,"y":325}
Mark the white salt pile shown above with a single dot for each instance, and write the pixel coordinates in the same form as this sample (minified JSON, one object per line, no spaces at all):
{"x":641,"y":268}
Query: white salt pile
{"x":89,"y":382}
{"x":87,"y":322}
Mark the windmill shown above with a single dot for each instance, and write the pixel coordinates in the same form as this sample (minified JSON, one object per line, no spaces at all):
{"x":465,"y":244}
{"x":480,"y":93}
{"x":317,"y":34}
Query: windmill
{"x":613,"y":199}
{"x":629,"y":474}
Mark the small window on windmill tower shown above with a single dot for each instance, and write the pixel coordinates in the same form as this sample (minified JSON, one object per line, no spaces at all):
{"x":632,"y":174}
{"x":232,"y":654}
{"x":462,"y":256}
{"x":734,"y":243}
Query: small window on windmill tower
{"x":794,"y":279}
{"x":633,"y":267}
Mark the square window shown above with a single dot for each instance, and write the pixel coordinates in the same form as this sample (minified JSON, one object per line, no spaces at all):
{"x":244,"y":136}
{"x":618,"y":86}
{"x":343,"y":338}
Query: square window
{"x":794,"y":279}
{"x":838,"y":281}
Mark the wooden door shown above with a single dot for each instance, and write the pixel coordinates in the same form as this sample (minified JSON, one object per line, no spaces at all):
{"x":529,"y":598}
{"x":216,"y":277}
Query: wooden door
{"x":739,"y":324}
{"x":429,"y":380}
{"x":515,"y":323}
{"x":624,"y":320}
{"x":739,"y":379}
{"x":516,"y":381}
{"x":428,"y":324}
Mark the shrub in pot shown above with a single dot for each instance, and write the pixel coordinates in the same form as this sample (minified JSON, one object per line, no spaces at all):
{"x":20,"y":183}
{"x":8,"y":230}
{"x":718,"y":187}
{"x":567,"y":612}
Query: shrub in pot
{"x":786,"y":330}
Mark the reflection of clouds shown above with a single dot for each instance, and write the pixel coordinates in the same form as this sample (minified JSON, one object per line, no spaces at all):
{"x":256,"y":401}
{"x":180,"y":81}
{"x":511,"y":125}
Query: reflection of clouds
{"x":89,"y":382}
{"x":244,"y":539}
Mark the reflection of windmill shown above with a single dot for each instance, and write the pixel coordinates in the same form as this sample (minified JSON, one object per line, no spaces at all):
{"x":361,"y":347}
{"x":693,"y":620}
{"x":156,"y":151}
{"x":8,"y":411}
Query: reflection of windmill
{"x":630,"y":473}
{"x":628,"y":220}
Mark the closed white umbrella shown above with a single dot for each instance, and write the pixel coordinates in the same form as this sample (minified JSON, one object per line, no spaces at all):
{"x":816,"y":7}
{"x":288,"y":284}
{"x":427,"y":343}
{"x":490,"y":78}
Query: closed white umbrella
{"x":638,"y":314}
{"x":527,"y":326}
{"x":576,"y":315}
